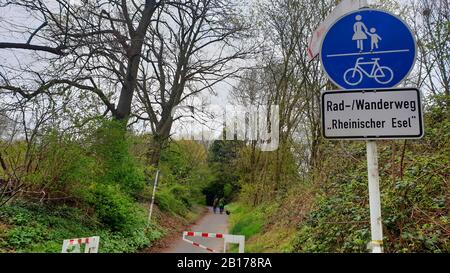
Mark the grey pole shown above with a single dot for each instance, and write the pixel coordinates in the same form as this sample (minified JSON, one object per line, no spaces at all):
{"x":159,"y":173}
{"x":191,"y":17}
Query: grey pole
{"x":374,"y":198}
{"x":153,"y":199}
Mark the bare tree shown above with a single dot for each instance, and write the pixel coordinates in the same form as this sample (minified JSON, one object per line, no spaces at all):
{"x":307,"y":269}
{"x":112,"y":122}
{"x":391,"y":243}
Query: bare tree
{"x":21,"y":150}
{"x":167,"y":50}
{"x":97,"y":45}
{"x":190,"y":49}
{"x":434,"y":43}
{"x":287,"y":79}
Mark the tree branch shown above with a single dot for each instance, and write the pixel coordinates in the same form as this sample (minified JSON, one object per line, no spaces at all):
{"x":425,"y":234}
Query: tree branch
{"x":53,"y":50}
{"x":36,"y":31}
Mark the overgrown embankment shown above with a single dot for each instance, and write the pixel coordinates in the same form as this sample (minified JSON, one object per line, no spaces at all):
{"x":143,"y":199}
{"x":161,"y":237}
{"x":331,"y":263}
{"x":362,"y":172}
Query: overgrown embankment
{"x":328,"y":211}
{"x":96,"y":184}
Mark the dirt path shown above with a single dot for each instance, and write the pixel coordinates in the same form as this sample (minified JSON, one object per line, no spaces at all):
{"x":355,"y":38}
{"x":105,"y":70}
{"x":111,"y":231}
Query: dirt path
{"x":213,"y":223}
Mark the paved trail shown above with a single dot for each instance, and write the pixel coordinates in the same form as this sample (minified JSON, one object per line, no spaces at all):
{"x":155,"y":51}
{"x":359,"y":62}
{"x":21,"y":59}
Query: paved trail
{"x":213,"y":223}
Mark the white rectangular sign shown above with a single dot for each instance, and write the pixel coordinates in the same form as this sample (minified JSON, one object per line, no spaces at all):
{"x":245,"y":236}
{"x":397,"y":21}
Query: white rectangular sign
{"x":372,"y":114}
{"x":344,"y":7}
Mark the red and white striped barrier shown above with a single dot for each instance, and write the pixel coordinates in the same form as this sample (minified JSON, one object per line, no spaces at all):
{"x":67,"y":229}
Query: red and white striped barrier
{"x":228,"y":238}
{"x":74,"y":245}
{"x":203,"y":234}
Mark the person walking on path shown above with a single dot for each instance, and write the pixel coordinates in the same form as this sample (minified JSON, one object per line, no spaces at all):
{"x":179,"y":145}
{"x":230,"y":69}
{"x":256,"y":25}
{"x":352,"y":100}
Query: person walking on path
{"x":215,"y":204}
{"x":221,"y":205}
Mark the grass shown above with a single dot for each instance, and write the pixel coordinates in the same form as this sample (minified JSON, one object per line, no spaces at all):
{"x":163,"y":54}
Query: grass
{"x":260,"y":235}
{"x":245,"y":221}
{"x":275,"y":239}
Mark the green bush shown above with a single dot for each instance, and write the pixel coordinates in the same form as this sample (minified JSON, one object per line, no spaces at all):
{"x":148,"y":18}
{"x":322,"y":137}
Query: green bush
{"x":96,"y":183}
{"x":182,"y":193}
{"x":23,"y":236}
{"x":61,"y":164}
{"x":39,"y":228}
{"x":126,"y":243}
{"x":167,"y":201}
{"x":184,"y":174}
{"x":246,"y":221}
{"x":111,"y":146}
{"x":115,"y":209}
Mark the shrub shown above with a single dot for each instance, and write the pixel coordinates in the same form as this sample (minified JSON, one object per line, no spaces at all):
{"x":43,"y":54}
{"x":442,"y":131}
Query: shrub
{"x":114,"y":208}
{"x":111,"y":146}
{"x":42,"y":228}
{"x":246,"y":221}
{"x":167,"y":201}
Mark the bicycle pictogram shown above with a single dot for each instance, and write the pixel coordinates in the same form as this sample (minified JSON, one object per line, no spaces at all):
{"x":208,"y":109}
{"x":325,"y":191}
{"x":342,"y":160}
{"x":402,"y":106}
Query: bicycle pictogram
{"x":381,"y":74}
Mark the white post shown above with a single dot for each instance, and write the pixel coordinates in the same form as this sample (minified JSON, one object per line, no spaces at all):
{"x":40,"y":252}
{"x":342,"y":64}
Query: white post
{"x":374,"y":198}
{"x":153,"y":199}
{"x":242,"y":245}
{"x":234,"y":239}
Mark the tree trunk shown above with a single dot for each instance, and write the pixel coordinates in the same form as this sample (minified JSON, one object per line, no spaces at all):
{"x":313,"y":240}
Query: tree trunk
{"x":134,"y":59}
{"x":155,"y":152}
{"x":160,"y":140}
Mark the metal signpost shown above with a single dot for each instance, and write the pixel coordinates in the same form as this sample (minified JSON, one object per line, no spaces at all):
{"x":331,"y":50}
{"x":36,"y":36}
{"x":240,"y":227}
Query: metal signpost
{"x":153,"y":199}
{"x":366,"y":52}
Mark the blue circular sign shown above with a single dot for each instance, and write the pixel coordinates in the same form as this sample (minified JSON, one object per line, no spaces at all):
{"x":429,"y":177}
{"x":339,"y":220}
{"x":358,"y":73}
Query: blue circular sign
{"x":368,"y":49}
